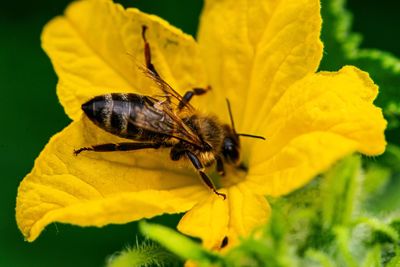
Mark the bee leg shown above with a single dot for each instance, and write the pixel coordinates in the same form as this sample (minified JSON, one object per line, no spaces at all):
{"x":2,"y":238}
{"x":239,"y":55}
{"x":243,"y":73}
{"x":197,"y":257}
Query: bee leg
{"x":117,"y":147}
{"x":224,"y":242}
{"x":176,"y":154}
{"x":189,"y":94}
{"x":200,"y":169}
{"x":220,"y":166}
{"x":147,"y":52}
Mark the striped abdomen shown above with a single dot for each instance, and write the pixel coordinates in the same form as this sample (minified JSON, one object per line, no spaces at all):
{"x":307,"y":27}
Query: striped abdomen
{"x":130,"y":116}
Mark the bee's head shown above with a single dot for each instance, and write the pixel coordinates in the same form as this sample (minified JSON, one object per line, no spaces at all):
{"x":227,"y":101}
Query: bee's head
{"x":231,"y":146}
{"x":231,"y":143}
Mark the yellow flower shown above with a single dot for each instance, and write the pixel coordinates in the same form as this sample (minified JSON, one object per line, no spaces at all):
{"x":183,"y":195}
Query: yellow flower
{"x":261,"y":55}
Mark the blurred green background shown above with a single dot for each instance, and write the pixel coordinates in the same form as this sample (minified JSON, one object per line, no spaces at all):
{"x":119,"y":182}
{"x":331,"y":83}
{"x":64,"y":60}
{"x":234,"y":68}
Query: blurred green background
{"x":31,"y":114}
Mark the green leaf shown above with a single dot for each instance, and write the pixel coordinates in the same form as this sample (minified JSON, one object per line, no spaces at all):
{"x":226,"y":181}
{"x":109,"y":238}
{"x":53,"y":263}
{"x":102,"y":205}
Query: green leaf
{"x":385,"y":200}
{"x":391,"y":158}
{"x":179,"y":244}
{"x":373,"y":257}
{"x":142,"y":255}
{"x":339,"y":192}
{"x":379,"y":227}
{"x":343,"y":240}
{"x":269,"y":247}
{"x":395,"y":261}
{"x":375,"y":179}
{"x":322,"y":258}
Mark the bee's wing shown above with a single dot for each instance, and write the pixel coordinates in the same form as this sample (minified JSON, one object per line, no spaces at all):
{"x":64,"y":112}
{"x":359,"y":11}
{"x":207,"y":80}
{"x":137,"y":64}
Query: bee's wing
{"x":173,"y":97}
{"x":168,"y":103}
{"x":158,"y":117}
{"x":182,"y":131}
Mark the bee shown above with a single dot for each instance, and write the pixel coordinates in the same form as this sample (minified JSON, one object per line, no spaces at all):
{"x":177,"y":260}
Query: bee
{"x":167,"y":121}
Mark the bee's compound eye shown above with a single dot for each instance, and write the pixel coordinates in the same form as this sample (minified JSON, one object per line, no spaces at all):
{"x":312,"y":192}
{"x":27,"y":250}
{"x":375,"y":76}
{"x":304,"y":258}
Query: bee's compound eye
{"x":230,"y":150}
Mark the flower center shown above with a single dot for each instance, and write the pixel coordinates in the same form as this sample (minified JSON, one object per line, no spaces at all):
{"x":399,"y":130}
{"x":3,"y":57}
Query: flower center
{"x":233,"y":175}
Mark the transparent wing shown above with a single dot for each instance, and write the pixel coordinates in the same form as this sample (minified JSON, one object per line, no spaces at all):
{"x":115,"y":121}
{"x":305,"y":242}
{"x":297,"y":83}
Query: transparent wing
{"x":172,"y":97}
{"x":157,"y":116}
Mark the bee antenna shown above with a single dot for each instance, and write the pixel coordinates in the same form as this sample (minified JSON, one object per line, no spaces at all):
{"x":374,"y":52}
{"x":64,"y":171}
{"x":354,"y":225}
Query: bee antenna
{"x":230,"y":115}
{"x":233,"y":125}
{"x":252,"y":136}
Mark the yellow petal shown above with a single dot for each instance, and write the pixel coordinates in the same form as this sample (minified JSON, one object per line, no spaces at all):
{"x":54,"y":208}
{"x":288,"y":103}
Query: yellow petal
{"x":100,"y":188}
{"x":215,"y":219}
{"x":97,"y":48}
{"x":247,"y":211}
{"x":318,"y":120}
{"x":253,"y":50}
{"x":207,"y":220}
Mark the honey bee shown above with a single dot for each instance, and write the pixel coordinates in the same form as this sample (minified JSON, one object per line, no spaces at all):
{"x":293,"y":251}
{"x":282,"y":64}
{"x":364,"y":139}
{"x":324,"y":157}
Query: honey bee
{"x":167,"y":121}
